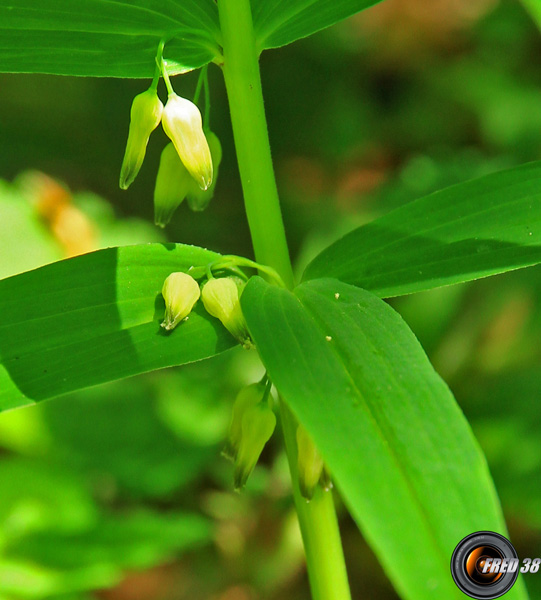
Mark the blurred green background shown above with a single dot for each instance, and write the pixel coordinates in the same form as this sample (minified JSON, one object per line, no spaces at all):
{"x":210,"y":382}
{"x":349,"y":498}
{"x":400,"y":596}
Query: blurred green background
{"x":120,"y":492}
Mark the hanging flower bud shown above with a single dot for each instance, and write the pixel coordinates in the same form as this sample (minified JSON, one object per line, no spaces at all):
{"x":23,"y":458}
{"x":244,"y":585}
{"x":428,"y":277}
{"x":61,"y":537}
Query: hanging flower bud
{"x":199,"y":199}
{"x":221,"y":300}
{"x":258,"y":423}
{"x":180,"y":292}
{"x":182,"y":123}
{"x":172,"y":184}
{"x":145,"y":116}
{"x":248,"y":396}
{"x":309,"y":462}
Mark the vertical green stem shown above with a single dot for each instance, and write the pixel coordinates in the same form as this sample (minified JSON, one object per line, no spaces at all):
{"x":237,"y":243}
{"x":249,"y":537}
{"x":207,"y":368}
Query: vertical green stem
{"x":319,"y":528}
{"x":317,"y":519}
{"x":243,"y":83}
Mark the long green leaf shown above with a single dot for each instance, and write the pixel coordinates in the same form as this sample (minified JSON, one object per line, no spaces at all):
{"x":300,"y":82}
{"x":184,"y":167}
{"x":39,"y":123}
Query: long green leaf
{"x":96,"y":318}
{"x":106,"y":38}
{"x":399,"y":448}
{"x":470,"y":230}
{"x":280,"y":22}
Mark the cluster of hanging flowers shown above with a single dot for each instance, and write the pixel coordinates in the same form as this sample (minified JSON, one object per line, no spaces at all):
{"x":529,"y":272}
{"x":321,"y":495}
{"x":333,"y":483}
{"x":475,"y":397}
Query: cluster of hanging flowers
{"x":188,"y":170}
{"x":188,"y":164}
{"x":253,"y":420}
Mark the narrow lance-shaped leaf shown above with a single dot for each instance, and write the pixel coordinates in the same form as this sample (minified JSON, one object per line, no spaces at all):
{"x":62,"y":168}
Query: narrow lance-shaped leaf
{"x":106,"y":39}
{"x":399,"y":448}
{"x":96,"y":318}
{"x":470,"y":230}
{"x":280,"y":22}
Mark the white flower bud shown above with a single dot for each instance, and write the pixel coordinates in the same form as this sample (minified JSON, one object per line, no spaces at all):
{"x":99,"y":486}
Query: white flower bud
{"x":180,"y":292}
{"x":182,"y":123}
{"x":145,"y":116}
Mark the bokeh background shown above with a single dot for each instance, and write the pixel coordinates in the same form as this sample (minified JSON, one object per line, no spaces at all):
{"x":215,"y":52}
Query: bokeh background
{"x":119,"y":492}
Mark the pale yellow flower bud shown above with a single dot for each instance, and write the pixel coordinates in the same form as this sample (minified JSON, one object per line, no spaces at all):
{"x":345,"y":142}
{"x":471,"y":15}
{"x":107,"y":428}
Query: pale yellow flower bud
{"x":145,"y":116}
{"x":221,"y":300}
{"x":258,"y":423}
{"x":197,"y":198}
{"x":180,"y":292}
{"x":182,"y":123}
{"x":172,"y":184}
{"x":309,"y":462}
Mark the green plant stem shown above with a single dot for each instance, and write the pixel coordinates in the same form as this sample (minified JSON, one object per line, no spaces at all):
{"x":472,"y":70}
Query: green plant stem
{"x":319,"y":528}
{"x":317,"y":519}
{"x":243,"y":83}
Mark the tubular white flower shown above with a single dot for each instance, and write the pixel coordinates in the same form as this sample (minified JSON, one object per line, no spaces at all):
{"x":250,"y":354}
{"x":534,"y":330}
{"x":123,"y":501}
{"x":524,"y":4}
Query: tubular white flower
{"x":181,"y":121}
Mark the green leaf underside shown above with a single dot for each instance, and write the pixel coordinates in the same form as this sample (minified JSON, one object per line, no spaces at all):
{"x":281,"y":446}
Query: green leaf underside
{"x":482,"y":227}
{"x":400,"y":449}
{"x":106,"y":38}
{"x":280,"y":22}
{"x":96,"y":318}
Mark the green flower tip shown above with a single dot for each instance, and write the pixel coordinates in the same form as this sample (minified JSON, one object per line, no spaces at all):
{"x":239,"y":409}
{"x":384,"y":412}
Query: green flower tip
{"x":180,"y":292}
{"x":247,"y":397}
{"x":221,"y":298}
{"x":145,"y":116}
{"x":181,"y":121}
{"x":310,"y":465}
{"x":172,"y":185}
{"x":258,"y":423}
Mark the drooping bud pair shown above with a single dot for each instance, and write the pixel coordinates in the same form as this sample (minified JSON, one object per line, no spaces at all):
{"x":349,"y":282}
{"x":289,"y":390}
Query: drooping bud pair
{"x":145,"y":116}
{"x":312,"y":470}
{"x":192,"y":173}
{"x":221,"y":298}
{"x":174,"y":183}
{"x":180,"y":292}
